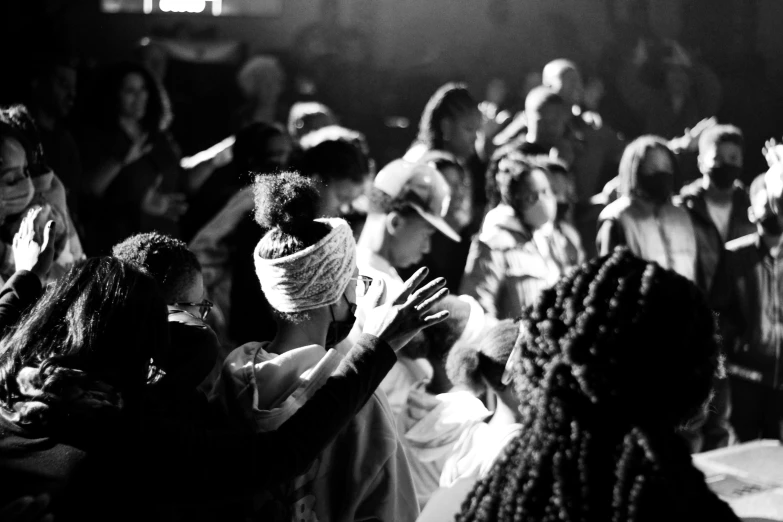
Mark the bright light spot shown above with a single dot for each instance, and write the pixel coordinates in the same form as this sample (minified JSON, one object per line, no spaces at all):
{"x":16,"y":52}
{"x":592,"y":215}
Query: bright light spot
{"x":183,"y":6}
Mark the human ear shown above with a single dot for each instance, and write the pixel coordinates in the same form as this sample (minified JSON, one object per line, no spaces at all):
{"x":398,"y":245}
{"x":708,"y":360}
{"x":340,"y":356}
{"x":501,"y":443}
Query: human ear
{"x":393,"y":223}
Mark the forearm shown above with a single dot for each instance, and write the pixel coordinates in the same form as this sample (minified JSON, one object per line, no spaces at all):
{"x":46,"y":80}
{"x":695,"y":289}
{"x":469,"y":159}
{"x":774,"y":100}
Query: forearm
{"x":103,"y":175}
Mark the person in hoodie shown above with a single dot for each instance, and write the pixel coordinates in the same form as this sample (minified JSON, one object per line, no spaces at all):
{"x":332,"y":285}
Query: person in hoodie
{"x":307,"y":270}
{"x":477,"y":369}
{"x":718,"y":202}
{"x":195,"y":359}
{"x":644,"y":218}
{"x":519,"y":251}
{"x":435,"y":415}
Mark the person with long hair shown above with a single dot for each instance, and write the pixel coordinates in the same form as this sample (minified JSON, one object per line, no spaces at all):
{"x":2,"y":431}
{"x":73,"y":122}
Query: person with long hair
{"x":603,"y":389}
{"x":644,"y":218}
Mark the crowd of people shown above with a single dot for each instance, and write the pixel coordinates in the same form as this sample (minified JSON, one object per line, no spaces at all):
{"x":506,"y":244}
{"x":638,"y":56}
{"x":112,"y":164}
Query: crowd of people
{"x":527,"y":317}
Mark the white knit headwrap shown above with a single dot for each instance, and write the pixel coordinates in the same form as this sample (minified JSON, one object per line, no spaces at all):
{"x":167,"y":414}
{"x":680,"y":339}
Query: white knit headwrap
{"x":311,"y":278}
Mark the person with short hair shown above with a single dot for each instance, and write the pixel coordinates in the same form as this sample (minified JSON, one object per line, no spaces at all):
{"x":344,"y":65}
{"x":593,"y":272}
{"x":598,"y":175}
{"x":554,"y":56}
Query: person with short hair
{"x":603,"y":389}
{"x":718,"y":202}
{"x":306,"y":117}
{"x":747,"y":292}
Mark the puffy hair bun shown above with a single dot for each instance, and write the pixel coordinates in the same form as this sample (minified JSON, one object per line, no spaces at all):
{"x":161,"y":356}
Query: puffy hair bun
{"x":286,"y":201}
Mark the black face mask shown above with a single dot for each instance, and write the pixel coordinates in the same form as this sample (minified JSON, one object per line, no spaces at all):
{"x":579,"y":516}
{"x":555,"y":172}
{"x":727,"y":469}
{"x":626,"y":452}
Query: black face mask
{"x":339,"y":330}
{"x":656,"y":186}
{"x":771,"y":224}
{"x":724,"y":176}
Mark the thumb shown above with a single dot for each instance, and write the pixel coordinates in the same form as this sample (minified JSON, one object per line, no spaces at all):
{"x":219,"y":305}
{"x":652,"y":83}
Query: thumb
{"x":376,"y":293}
{"x":48,"y":236}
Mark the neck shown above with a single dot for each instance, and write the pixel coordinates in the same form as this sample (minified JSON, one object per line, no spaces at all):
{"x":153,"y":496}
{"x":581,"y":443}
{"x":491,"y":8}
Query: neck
{"x":374,"y":237}
{"x":503,"y":415}
{"x":772,"y":242}
{"x":130,"y":125}
{"x":291,"y":336}
{"x":440,"y":382}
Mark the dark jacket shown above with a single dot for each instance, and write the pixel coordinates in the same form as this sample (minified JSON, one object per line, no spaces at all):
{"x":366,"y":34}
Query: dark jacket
{"x":709,"y":244}
{"x":748,"y":295}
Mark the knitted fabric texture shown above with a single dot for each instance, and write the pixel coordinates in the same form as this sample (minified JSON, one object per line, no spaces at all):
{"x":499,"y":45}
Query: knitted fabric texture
{"x":311,"y":278}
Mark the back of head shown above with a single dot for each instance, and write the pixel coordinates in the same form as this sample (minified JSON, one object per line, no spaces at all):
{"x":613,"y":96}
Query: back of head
{"x":250,"y":150}
{"x":540,"y":97}
{"x":718,"y":134}
{"x":449,"y":101}
{"x":166,"y":259}
{"x":306,"y":117}
{"x":285,"y":206}
{"x":612,"y":360}
{"x":19,"y":118}
{"x":554,"y":70}
{"x":475,"y":366}
{"x":102,"y":322}
{"x":334,"y":153}
{"x":633,"y":157}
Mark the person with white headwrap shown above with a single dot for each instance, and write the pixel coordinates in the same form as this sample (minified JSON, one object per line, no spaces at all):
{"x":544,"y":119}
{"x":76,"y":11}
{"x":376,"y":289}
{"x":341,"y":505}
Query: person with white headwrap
{"x":307,"y":271}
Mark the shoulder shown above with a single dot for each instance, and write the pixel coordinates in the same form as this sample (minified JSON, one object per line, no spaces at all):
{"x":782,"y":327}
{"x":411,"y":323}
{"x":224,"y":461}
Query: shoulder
{"x":616,"y":209}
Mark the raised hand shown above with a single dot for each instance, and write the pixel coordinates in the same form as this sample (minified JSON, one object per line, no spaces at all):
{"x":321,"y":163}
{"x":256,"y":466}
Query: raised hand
{"x":157,"y":203}
{"x":772,"y":151}
{"x":35,"y":255}
{"x":405,"y":314}
{"x":138,"y":149}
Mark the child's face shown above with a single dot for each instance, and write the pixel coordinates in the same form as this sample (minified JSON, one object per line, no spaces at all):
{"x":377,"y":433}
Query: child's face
{"x":536,"y":203}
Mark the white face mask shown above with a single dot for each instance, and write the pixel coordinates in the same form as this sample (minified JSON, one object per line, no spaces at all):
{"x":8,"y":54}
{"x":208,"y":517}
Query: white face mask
{"x":15,"y":198}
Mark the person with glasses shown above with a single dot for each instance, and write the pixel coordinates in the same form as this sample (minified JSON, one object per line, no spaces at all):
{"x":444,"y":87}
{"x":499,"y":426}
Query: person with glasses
{"x":308,"y":272}
{"x":196,"y":352}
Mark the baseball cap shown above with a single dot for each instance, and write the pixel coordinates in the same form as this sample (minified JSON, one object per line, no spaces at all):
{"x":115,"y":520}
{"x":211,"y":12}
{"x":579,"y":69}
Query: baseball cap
{"x":420,"y":186}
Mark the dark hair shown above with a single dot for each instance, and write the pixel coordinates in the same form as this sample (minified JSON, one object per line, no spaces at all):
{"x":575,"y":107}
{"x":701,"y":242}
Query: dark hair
{"x":167,"y":260}
{"x":509,"y":167}
{"x":103,"y":321}
{"x":473,"y":366}
{"x":19,"y":118}
{"x":104,"y":112}
{"x":334,"y":153}
{"x":540,"y":97}
{"x":303,"y":115}
{"x":252,"y":144}
{"x":449,"y":101}
{"x":633,"y":157}
{"x":721,"y":134}
{"x":8,"y":131}
{"x":286,"y":206}
{"x":603,"y":387}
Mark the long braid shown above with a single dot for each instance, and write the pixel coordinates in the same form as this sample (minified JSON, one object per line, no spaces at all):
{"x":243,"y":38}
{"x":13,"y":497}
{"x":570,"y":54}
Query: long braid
{"x":598,"y":440}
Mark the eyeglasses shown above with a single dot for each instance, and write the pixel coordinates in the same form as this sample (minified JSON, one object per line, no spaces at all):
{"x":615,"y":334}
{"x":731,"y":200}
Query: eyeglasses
{"x":363,"y":284}
{"x":204,"y":307}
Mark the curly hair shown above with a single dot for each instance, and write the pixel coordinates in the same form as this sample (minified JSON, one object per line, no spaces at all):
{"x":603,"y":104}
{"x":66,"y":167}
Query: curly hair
{"x":449,"y":101}
{"x":507,"y":168}
{"x":613,"y":359}
{"x":166,"y":259}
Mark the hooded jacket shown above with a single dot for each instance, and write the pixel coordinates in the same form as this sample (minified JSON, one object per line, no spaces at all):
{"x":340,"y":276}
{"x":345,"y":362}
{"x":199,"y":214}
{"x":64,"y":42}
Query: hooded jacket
{"x":709,"y":244}
{"x":361,"y":475}
{"x":508,"y":266}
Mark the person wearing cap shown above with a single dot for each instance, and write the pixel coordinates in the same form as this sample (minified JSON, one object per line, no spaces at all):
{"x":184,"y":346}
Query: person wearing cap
{"x":519,"y":251}
{"x":408,"y":203}
{"x":747,"y":294}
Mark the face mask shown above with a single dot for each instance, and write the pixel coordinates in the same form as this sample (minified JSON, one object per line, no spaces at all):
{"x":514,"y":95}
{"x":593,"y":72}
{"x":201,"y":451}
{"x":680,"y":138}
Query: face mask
{"x":15,"y":198}
{"x":724,"y":176}
{"x":771,"y":224}
{"x":657,"y":187}
{"x":544,"y":211}
{"x":339,"y":330}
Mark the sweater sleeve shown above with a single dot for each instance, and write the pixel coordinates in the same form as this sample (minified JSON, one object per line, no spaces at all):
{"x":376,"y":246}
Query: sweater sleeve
{"x":610,"y":235}
{"x":233,"y":460}
{"x":19,"y":293}
{"x":483,"y":277}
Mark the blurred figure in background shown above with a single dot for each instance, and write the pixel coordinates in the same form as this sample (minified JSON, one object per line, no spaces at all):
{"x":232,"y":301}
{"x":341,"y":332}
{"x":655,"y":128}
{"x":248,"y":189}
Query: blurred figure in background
{"x":306,"y":117}
{"x":261,"y":81}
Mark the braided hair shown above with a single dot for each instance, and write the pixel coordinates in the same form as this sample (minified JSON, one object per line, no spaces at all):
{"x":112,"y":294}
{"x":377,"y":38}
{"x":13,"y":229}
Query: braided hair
{"x":613,"y":359}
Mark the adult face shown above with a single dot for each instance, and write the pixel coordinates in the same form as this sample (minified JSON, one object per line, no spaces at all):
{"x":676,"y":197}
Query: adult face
{"x":722,"y":164}
{"x":410,"y":239}
{"x":278,"y":150}
{"x":16,"y":188}
{"x":569,"y":85}
{"x":460,"y":133}
{"x":133,"y":97}
{"x":194,"y":293}
{"x":536,"y":204}
{"x":655,"y":181}
{"x":338,"y":195}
